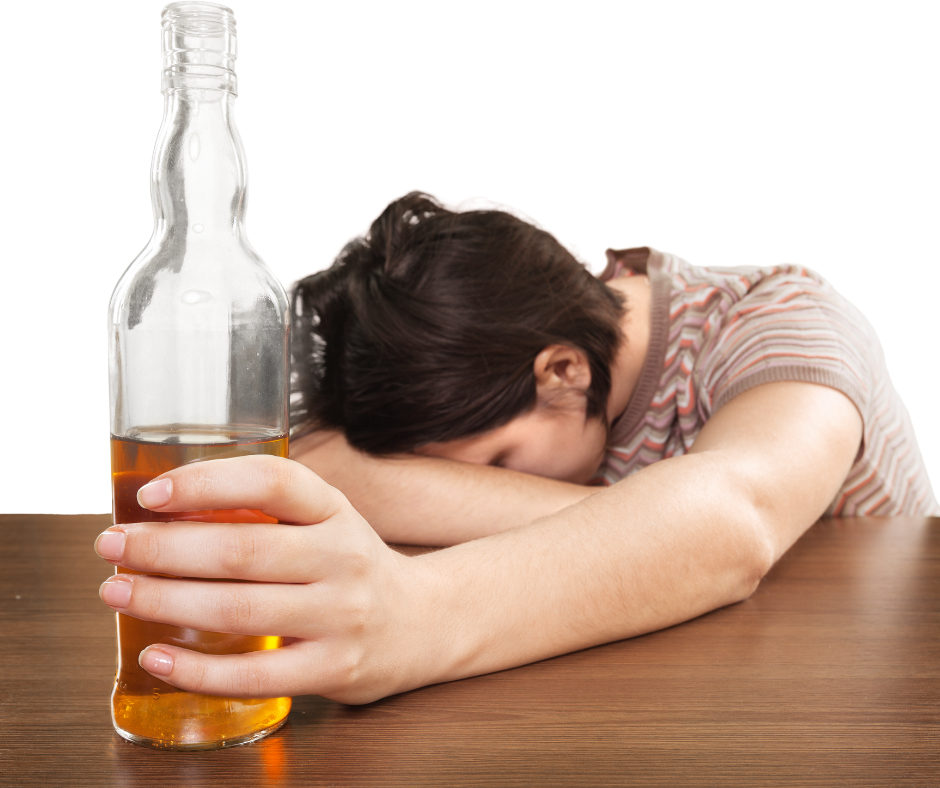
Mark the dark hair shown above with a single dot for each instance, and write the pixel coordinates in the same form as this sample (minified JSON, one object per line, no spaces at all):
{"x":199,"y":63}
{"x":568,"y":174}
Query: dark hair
{"x":426,"y":328}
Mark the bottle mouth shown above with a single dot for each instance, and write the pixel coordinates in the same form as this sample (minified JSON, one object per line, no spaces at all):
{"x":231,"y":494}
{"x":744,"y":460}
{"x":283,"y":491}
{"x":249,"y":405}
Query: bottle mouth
{"x":199,"y":47}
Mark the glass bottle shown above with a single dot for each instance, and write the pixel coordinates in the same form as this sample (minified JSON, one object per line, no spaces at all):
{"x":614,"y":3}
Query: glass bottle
{"x":198,"y":343}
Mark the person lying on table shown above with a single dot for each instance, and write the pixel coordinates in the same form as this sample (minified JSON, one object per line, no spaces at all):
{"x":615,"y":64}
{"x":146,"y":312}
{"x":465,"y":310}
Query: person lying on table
{"x":609,"y":456}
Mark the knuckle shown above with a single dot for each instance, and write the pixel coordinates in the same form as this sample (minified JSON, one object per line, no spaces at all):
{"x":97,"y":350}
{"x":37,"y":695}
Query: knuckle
{"x":198,"y":673}
{"x":240,"y":551}
{"x":151,"y":601}
{"x":357,"y":613}
{"x":359,"y":561}
{"x":235,"y":610}
{"x":195,"y":481}
{"x":146,"y":548}
{"x":279,"y":478}
{"x":250,"y":678}
{"x":347,"y":668}
{"x":338,"y":503}
{"x":203,"y":479}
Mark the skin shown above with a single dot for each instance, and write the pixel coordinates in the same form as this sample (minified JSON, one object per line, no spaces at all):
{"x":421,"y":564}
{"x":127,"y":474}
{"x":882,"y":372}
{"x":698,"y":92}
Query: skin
{"x":552,"y":567}
{"x":556,"y":440}
{"x":418,"y":500}
{"x":553,"y":440}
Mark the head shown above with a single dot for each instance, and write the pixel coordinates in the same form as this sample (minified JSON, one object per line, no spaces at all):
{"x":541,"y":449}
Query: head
{"x":439,"y":330}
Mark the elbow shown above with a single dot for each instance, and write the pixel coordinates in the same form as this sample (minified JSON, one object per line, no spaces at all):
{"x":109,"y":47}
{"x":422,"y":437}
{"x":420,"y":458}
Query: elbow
{"x":758,"y":554}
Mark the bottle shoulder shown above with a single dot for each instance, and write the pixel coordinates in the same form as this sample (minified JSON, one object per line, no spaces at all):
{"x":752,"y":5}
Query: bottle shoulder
{"x":176,"y":281}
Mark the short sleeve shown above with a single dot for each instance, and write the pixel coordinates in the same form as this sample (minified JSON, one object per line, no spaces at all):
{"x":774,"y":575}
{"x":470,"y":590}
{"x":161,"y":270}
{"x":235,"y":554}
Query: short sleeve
{"x":791,"y":325}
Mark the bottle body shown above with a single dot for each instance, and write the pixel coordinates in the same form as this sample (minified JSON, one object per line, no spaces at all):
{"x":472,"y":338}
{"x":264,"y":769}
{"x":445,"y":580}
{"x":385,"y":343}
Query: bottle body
{"x":145,"y":709}
{"x":198,"y":352}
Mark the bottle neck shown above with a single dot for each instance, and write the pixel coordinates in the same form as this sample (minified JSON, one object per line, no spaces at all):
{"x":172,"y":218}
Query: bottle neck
{"x":198,"y":177}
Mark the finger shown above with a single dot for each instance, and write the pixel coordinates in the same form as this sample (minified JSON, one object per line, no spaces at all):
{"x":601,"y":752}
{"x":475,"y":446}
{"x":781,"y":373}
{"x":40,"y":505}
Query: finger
{"x":280,"y":487}
{"x":236,"y":608}
{"x":302,"y":668}
{"x":263,"y":553}
{"x":268,"y":553}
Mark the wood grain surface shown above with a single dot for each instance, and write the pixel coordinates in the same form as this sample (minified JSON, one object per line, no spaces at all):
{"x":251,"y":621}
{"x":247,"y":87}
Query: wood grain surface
{"x":828,"y":676}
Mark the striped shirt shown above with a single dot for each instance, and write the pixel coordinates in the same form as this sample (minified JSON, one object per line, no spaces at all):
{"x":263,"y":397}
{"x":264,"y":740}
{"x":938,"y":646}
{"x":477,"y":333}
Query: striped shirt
{"x":717,"y":332}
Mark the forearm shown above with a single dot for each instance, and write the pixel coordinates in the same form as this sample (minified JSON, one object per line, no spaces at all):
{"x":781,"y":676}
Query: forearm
{"x":681,"y":537}
{"x":432,"y":501}
{"x":661,"y":547}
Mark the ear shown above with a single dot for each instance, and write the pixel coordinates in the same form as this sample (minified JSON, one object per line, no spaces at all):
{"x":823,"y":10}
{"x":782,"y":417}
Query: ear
{"x":561,"y":369}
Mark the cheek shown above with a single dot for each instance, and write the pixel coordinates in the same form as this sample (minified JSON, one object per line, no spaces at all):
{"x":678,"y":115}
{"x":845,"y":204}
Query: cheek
{"x":591,"y":454}
{"x":570,"y":453}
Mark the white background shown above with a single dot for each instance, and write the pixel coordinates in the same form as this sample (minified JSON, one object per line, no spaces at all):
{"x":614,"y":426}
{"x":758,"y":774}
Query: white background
{"x":727,"y":133}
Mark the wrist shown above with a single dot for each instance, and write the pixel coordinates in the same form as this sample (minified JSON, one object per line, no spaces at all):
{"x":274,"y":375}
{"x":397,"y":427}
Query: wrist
{"x":430,"y":630}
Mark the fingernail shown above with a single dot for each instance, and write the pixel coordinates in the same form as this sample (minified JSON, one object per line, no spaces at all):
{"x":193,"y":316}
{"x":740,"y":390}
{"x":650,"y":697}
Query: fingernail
{"x":156,"y":660}
{"x":155,"y":494}
{"x":116,"y":591}
{"x":110,"y":545}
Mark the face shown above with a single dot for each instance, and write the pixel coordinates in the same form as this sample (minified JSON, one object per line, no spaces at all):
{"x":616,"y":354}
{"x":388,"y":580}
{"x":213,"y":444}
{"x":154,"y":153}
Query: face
{"x":549,"y":441}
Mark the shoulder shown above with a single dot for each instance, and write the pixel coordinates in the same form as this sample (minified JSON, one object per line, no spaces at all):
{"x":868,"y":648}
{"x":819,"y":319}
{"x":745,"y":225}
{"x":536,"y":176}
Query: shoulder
{"x":781,"y":323}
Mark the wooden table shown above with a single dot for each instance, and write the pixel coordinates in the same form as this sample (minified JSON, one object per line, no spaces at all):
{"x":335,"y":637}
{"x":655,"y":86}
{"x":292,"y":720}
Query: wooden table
{"x":828,"y":675}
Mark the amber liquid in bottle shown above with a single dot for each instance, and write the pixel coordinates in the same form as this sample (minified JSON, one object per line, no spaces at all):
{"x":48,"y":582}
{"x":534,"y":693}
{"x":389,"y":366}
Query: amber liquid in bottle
{"x":148,"y":710}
